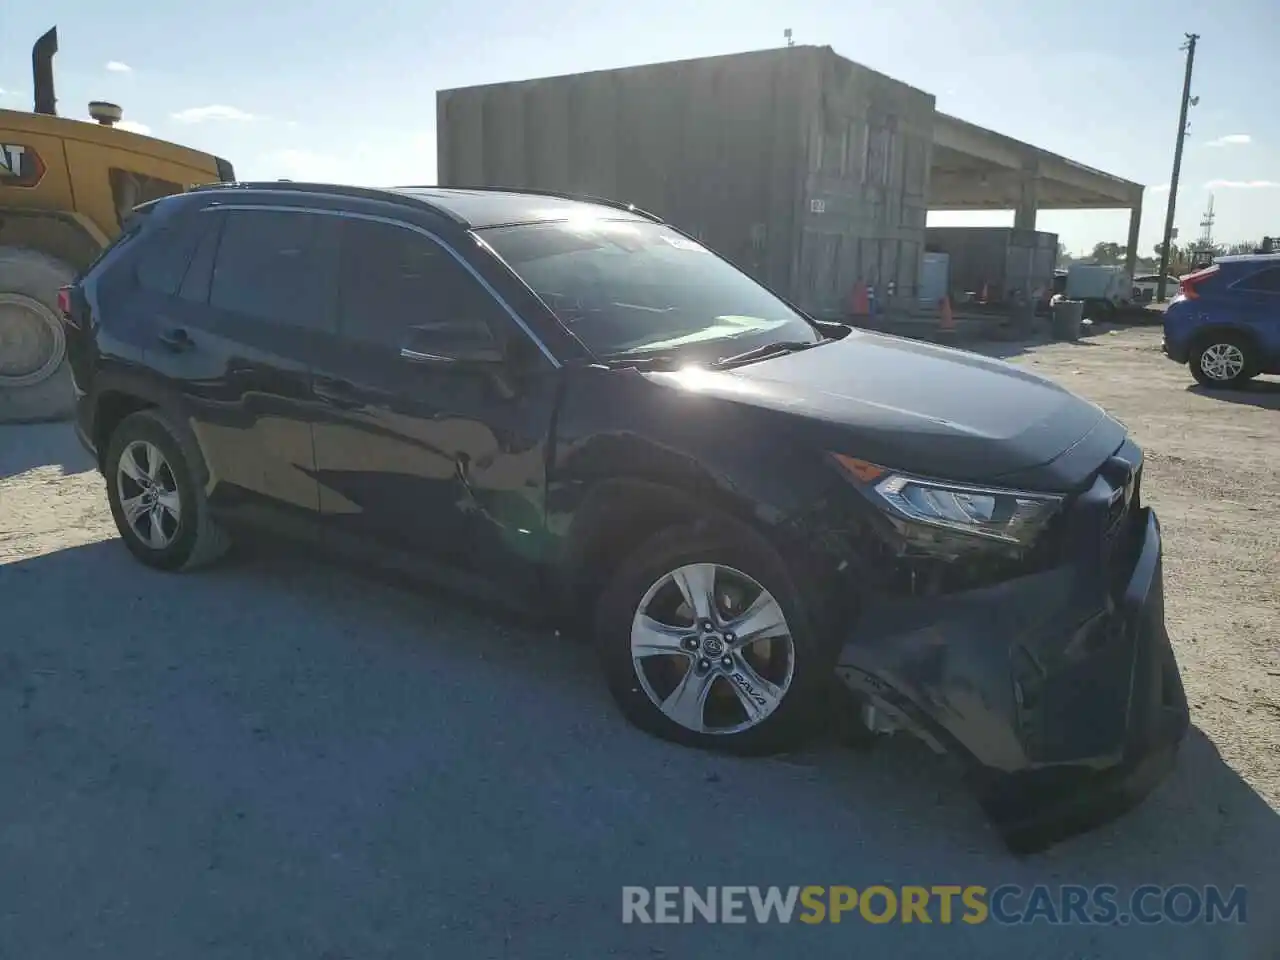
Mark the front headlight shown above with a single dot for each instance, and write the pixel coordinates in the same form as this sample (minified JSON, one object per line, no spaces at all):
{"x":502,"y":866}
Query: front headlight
{"x":1009,"y":516}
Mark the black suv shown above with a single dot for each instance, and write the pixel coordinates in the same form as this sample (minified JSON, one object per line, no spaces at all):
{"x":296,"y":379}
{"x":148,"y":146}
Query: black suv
{"x":571,"y":407}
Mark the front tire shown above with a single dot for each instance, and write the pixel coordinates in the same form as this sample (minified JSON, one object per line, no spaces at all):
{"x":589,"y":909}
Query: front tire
{"x":1223,"y":361}
{"x":156,"y":496}
{"x":705,"y":640}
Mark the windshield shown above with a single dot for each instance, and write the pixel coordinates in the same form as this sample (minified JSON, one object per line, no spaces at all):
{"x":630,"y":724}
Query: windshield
{"x":629,"y":289}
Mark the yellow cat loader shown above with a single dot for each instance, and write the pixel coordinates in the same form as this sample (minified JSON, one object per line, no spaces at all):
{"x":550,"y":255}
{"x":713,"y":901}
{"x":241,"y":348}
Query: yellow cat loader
{"x":66,"y":188}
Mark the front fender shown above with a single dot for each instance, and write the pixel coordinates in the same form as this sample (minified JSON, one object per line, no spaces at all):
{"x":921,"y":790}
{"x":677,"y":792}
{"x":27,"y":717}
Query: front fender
{"x":630,"y":457}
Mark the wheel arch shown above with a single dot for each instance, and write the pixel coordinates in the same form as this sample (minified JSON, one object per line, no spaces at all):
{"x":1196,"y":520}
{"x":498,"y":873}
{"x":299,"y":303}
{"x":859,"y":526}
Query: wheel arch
{"x":613,"y":518}
{"x":1201,"y":337}
{"x":617,"y":515}
{"x":116,"y":395}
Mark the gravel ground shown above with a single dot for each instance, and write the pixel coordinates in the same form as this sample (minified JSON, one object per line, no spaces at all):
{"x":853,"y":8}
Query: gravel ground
{"x":280,"y":759}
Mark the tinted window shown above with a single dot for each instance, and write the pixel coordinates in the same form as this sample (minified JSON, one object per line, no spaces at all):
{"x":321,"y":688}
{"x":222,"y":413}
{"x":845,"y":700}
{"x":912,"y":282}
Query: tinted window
{"x":1265,"y":281}
{"x":165,"y":254}
{"x":627,"y":288}
{"x":393,"y":278}
{"x":195,"y":284}
{"x":275,"y":266}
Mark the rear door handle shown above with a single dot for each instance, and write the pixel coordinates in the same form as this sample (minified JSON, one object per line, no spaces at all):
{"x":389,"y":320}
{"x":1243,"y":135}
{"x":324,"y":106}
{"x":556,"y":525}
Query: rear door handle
{"x":177,"y":339}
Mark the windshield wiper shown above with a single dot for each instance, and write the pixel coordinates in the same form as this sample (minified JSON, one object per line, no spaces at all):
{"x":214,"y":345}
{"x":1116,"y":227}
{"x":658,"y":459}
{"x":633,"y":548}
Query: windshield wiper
{"x":661,"y":362}
{"x":777,"y":348}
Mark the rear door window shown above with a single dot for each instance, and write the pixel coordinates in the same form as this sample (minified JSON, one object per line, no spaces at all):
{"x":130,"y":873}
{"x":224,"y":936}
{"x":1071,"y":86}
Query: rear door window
{"x":277,"y":267}
{"x":165,"y":254}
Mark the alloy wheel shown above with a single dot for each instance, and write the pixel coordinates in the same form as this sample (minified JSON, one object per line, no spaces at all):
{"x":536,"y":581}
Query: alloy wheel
{"x":711,"y":649}
{"x":149,"y":497}
{"x":1222,"y":361}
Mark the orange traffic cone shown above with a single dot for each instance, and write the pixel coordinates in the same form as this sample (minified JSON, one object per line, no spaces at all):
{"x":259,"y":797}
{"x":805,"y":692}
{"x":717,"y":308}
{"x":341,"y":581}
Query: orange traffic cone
{"x":861,"y":302}
{"x":946,"y":320}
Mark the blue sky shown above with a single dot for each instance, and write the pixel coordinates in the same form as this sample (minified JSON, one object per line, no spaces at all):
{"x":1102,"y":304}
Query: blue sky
{"x":346,"y":91}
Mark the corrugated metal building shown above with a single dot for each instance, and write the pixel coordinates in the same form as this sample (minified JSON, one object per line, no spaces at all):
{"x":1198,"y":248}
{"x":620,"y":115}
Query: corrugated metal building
{"x":806,"y":169}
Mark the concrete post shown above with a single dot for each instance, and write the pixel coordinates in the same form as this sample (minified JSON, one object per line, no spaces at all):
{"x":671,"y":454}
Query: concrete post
{"x":1131,"y":249}
{"x":1024,"y":214}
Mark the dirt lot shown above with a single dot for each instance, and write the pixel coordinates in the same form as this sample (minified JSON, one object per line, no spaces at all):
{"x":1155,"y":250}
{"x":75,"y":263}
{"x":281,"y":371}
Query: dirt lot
{"x":279,"y":759}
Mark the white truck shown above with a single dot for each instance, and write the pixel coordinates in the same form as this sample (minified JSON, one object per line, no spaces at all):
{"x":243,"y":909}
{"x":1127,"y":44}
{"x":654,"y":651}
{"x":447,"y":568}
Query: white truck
{"x":1103,"y":288}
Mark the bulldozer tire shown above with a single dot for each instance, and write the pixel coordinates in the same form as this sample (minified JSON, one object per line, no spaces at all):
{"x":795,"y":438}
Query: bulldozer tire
{"x":35,"y":378}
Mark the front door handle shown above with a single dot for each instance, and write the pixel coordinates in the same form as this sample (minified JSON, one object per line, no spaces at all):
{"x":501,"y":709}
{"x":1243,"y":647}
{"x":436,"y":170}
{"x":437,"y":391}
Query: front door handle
{"x":177,"y":339}
{"x":339,"y":393}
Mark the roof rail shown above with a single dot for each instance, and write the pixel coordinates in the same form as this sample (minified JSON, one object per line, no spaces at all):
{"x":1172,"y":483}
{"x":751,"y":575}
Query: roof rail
{"x":389,"y":195}
{"x":558,"y":194}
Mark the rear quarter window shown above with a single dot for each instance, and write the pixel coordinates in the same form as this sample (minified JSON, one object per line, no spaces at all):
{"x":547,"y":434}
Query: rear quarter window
{"x":1262,"y":281}
{"x":124,"y":239}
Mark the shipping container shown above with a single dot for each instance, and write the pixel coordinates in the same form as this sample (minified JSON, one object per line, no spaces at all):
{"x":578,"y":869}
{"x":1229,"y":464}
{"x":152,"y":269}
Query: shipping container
{"x":809,"y":171}
{"x":1005,"y":262}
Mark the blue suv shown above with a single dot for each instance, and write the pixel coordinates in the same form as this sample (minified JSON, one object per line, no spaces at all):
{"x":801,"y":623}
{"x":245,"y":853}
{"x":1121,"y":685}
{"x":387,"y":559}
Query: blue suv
{"x":1225,"y":321}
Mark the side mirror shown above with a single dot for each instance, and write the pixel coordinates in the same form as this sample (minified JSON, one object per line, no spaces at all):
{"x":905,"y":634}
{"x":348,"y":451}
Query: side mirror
{"x":454,"y":345}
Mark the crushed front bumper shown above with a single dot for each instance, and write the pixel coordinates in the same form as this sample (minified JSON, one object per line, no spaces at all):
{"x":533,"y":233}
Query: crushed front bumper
{"x":1058,"y":691}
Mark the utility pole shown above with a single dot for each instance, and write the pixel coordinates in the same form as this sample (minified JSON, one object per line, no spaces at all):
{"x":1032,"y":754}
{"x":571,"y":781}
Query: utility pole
{"x":1190,"y":47}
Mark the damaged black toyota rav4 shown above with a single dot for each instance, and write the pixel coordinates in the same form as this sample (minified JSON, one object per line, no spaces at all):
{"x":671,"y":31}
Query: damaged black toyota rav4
{"x":570,"y":405}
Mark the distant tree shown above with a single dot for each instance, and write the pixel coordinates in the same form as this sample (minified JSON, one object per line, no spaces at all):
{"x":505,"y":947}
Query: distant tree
{"x":1232,"y":249}
{"x":1064,"y":257}
{"x":1180,"y":259}
{"x":1108,"y":253}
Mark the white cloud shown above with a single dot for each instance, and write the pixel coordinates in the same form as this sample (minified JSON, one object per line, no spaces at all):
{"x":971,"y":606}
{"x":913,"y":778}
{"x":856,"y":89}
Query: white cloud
{"x":133,"y":127}
{"x":115,"y":66}
{"x":1231,"y":140}
{"x":1158,"y":188}
{"x":215,"y":111}
{"x":1242,"y":185}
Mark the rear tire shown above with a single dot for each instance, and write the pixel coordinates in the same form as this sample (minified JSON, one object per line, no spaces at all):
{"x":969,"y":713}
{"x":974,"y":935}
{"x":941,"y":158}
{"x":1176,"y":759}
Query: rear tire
{"x":154,"y":467}
{"x":35,"y":378}
{"x":1223,"y":361}
{"x":770,"y":716}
